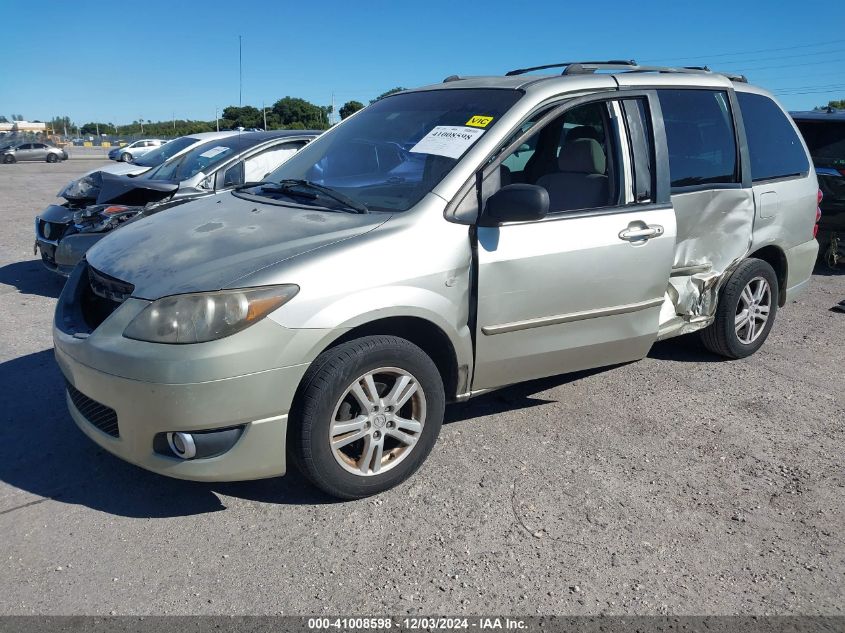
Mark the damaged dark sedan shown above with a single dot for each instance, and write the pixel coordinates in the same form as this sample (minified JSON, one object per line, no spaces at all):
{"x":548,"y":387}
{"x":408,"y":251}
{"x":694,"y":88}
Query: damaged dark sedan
{"x":101,"y":202}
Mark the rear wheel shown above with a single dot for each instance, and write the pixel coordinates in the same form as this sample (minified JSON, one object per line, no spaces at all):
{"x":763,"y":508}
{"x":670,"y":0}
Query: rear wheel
{"x":746,"y":312}
{"x":368,"y":415}
{"x":8,"y":159}
{"x":52,"y":158}
{"x":126,"y":157}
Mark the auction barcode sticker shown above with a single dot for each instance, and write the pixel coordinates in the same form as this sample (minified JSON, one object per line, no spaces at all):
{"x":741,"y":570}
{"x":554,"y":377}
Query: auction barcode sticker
{"x":447,"y":140}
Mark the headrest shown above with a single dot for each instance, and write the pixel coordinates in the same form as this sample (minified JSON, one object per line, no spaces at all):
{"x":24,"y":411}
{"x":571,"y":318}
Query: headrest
{"x":583,"y":156}
{"x":583,"y":131}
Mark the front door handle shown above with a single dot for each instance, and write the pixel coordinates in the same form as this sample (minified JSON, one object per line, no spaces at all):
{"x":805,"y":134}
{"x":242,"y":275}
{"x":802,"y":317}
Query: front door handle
{"x":640,"y":232}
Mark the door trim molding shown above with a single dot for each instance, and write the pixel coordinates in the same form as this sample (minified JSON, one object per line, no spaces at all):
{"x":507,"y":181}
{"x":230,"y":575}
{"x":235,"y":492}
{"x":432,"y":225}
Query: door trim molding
{"x":516,"y":326}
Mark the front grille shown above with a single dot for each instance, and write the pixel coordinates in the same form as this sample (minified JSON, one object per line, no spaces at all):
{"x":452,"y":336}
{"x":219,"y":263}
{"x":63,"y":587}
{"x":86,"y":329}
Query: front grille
{"x":101,"y":296}
{"x":101,"y":416}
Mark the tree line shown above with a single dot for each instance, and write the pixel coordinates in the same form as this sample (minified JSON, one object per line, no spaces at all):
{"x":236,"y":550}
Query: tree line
{"x":288,"y":113}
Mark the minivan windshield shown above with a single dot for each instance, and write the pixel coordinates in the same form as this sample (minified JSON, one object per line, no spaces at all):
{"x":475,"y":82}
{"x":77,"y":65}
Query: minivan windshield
{"x":157,"y":156}
{"x":392,"y":153}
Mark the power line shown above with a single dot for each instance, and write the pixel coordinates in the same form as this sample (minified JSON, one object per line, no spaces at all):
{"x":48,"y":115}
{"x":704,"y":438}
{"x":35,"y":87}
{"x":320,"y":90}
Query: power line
{"x":744,"y":69}
{"x":760,"y":50}
{"x":810,"y":92}
{"x":792,"y":56}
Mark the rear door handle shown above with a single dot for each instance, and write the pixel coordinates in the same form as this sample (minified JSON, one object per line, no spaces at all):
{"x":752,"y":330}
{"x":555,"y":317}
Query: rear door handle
{"x":640,"y":232}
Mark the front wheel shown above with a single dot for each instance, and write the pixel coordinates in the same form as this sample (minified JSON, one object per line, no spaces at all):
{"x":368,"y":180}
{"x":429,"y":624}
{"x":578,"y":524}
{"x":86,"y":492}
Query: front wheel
{"x":746,"y":311}
{"x":52,"y":158}
{"x":8,"y":159}
{"x":126,"y":157}
{"x":367,"y":416}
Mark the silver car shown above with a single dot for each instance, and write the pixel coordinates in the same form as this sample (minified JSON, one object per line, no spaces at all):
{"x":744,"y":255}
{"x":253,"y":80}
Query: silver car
{"x":32,"y":151}
{"x":133,"y":150}
{"x":102,"y":202}
{"x":440,"y":243}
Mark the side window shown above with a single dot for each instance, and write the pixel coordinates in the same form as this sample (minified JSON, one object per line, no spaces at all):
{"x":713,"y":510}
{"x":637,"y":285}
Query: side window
{"x":641,"y":147}
{"x":774,"y":146}
{"x":258,"y":167}
{"x":234,"y":175}
{"x":700,"y":137}
{"x":574,"y":157}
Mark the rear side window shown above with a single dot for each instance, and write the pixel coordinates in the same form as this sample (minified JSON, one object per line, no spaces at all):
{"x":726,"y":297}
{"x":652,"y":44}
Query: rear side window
{"x":826,"y":140}
{"x":775,"y":149}
{"x":700,"y":137}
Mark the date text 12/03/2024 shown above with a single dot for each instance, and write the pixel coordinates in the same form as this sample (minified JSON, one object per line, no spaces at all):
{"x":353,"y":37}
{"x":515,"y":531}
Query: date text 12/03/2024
{"x":417,"y":623}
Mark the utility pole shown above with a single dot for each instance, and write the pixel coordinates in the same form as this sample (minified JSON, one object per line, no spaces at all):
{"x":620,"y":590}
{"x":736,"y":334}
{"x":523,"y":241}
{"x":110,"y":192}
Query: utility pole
{"x":98,"y":129}
{"x":141,"y":121}
{"x":174,"y":121}
{"x":264,"y":112}
{"x":240,"y":72}
{"x":332,"y":114}
{"x":217,"y":118}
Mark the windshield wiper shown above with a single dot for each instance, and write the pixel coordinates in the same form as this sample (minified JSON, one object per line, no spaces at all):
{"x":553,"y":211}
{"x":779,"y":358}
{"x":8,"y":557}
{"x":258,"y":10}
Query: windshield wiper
{"x":288,"y":186}
{"x":256,"y":183}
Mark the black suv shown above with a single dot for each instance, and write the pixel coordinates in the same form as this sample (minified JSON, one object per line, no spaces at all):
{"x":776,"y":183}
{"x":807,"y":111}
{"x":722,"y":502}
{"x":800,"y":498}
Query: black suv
{"x":824,"y":131}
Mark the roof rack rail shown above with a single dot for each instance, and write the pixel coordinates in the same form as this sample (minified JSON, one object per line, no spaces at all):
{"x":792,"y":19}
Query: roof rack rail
{"x":611,"y":63}
{"x":585,"y":68}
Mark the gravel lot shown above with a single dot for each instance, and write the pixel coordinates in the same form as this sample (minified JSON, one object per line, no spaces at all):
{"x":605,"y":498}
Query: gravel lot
{"x":681,"y":484}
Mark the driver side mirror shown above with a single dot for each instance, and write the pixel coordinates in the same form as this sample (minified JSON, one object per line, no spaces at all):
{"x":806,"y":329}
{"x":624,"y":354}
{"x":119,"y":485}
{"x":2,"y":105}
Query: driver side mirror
{"x":516,"y":203}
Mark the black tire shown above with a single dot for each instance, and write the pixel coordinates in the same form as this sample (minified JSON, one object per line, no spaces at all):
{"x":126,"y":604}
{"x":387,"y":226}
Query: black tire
{"x":323,"y":387}
{"x":9,"y":159}
{"x":52,"y":158}
{"x":126,"y":157}
{"x":721,"y":336}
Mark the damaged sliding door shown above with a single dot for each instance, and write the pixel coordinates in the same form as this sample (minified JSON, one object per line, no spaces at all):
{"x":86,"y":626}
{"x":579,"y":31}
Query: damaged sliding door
{"x":714,"y":211}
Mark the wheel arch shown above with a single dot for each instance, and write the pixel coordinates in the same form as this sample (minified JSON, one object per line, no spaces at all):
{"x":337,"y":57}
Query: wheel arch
{"x":776,"y":258}
{"x":425,"y":334}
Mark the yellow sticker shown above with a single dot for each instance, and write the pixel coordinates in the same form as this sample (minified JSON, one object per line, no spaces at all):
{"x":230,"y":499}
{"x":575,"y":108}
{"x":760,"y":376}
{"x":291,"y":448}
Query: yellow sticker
{"x":479,"y":121}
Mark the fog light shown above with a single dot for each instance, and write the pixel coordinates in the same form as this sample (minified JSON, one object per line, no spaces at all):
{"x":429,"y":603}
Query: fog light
{"x":199,"y":444}
{"x":182,"y":444}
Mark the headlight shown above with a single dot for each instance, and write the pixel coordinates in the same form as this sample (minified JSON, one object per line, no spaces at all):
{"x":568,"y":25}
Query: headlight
{"x":206,"y":316}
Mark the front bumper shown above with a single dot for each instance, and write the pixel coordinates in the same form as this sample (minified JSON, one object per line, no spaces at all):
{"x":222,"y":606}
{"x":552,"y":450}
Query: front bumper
{"x":63,"y":255}
{"x":145,"y":409}
{"x":248,"y":379}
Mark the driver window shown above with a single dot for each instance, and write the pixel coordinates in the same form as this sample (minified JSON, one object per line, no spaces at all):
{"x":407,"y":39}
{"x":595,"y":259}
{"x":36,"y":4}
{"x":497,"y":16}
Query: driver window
{"x":574,"y":158}
{"x":257,"y":168}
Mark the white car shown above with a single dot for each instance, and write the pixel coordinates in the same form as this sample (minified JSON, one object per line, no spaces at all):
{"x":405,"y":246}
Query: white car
{"x":128,"y":153}
{"x":160,"y":154}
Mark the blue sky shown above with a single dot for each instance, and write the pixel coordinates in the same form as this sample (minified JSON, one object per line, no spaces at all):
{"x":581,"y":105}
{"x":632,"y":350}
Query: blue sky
{"x":119,"y":61}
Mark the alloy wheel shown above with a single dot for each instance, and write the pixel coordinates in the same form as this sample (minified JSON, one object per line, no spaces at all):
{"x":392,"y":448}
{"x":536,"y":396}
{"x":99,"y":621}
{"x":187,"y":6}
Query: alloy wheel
{"x":752,"y":311}
{"x":377,"y":422}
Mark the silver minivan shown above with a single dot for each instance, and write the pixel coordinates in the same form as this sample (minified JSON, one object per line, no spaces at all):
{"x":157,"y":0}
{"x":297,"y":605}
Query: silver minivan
{"x":440,"y":243}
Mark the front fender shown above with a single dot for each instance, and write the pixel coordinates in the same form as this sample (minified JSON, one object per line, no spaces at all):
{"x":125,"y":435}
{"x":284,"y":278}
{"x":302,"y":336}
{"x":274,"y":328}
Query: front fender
{"x":373,"y":304}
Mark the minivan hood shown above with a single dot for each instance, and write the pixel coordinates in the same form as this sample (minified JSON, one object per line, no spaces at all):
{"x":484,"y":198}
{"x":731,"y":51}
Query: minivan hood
{"x":209,"y":244}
